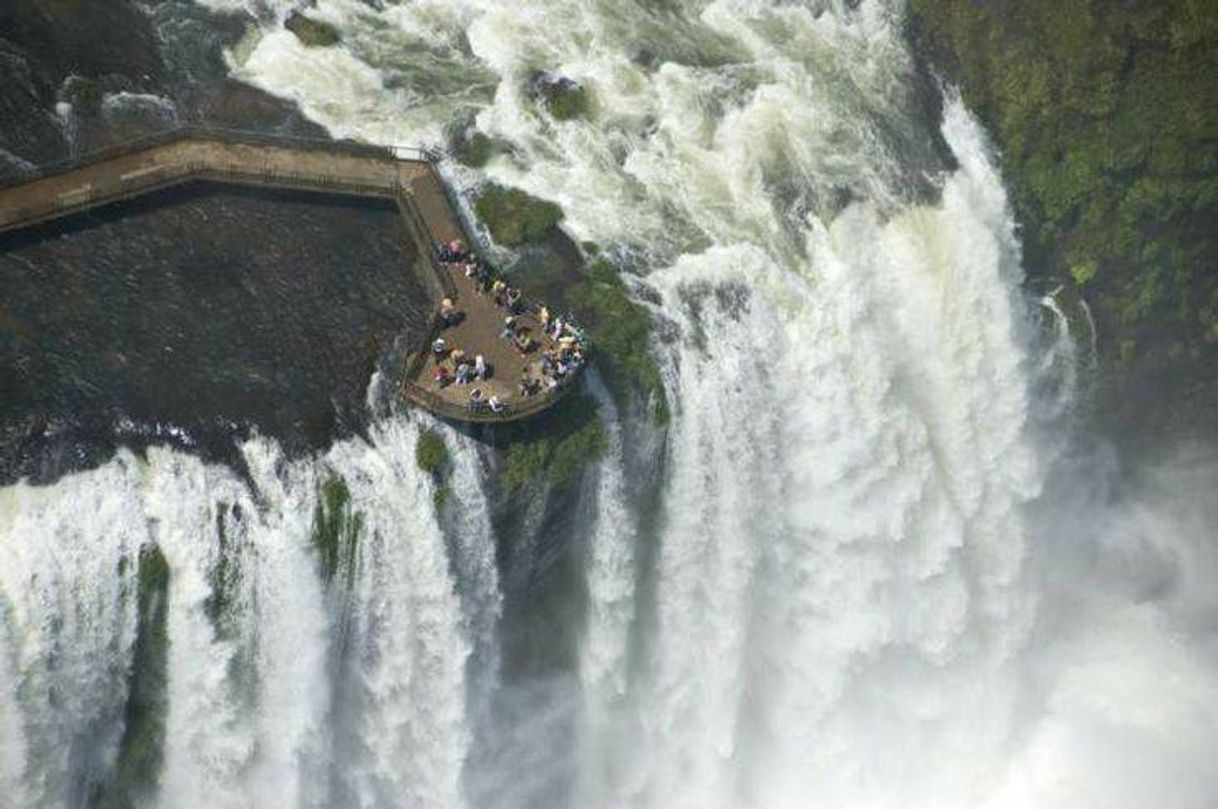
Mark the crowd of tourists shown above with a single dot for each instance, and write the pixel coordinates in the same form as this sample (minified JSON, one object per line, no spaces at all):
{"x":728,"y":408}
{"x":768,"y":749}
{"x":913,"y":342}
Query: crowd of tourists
{"x":562,"y":346}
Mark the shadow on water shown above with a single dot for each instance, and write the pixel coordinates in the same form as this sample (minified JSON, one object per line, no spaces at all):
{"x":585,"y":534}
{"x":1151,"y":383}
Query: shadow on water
{"x":197,"y":316}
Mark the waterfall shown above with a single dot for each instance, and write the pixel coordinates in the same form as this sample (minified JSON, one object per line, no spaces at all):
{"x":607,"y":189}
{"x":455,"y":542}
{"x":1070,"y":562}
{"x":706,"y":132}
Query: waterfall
{"x":473,"y":554}
{"x":247,"y":629}
{"x":844,"y":510}
{"x":69,"y":626}
{"x":409,"y":653}
{"x":282,"y":686}
{"x":610,"y":574}
{"x":880,"y":572}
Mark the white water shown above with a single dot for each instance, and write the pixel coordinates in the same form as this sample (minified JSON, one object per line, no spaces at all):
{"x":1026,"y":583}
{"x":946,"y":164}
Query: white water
{"x":605,"y":646}
{"x":67,"y":575}
{"x":878,"y":581}
{"x":253,"y":714}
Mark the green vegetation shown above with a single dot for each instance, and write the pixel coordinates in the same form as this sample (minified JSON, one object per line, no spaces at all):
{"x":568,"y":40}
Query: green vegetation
{"x":142,"y":747}
{"x":313,"y":33}
{"x":474,"y":150}
{"x":565,"y":99}
{"x":621,"y":335}
{"x":514,"y":217}
{"x":1084,"y":272}
{"x":430,"y":453}
{"x":571,"y":436}
{"x":224,"y":577}
{"x":1107,"y":120}
{"x":336,"y":531}
{"x":620,"y":327}
{"x":440,"y":496}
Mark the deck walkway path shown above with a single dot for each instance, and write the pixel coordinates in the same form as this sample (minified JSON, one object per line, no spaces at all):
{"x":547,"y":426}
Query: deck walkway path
{"x":137,"y":168}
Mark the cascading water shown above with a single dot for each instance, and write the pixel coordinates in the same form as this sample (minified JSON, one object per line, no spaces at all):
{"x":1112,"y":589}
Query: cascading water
{"x":284,"y":687}
{"x":69,"y":628}
{"x":876,"y":578}
{"x":611,"y":577}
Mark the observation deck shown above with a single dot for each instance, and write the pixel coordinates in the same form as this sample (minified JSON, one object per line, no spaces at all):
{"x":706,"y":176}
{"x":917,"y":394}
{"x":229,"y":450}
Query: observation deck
{"x":405,"y":176}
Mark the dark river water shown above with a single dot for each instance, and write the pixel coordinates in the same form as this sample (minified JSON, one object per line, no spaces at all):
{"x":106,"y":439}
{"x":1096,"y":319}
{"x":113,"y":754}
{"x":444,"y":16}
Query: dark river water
{"x":193,"y":312}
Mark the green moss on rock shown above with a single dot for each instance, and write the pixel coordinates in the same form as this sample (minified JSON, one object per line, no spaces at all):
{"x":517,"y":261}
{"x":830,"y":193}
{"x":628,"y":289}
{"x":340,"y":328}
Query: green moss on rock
{"x":84,"y":94}
{"x":430,"y":452}
{"x":474,"y":150}
{"x":336,"y":531}
{"x":565,"y":99}
{"x":313,"y":33}
{"x":441,"y":496}
{"x":141,"y":749}
{"x":622,"y":334}
{"x":514,"y":217}
{"x":224,"y":579}
{"x":557,"y":447}
{"x":1083,"y":272}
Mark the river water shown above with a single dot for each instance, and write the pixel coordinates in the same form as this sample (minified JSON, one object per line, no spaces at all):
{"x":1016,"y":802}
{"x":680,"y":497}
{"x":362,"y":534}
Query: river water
{"x":881,"y":571}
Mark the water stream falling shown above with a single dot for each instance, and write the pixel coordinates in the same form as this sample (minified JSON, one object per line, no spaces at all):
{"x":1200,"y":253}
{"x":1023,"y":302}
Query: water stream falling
{"x":877,"y":577}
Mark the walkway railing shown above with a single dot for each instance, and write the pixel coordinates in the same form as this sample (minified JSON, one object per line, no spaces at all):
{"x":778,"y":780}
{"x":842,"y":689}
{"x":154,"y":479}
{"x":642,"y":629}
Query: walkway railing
{"x":481,"y":412}
{"x":418,"y":154}
{"x":414,"y":220}
{"x":171,"y":174}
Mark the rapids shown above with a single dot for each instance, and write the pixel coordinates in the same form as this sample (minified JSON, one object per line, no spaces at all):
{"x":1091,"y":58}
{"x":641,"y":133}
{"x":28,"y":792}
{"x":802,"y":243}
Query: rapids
{"x":884,"y":569}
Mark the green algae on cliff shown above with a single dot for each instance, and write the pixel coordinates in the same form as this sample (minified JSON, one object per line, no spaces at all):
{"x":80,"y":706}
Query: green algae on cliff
{"x":84,"y":94}
{"x":473,"y":149}
{"x":565,"y":99}
{"x":225,"y":576}
{"x":622,"y":334}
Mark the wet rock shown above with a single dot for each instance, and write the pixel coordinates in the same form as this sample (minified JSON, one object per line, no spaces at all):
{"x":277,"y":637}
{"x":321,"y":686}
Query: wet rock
{"x":84,"y":38}
{"x":313,"y":33}
{"x":564,"y":98}
{"x":13,"y":167}
{"x":28,"y":129}
{"x":139,"y":110}
{"x":161,"y":65}
{"x":514,"y":217}
{"x":472,"y":148}
{"x":193,"y":42}
{"x":235,"y":105}
{"x":85,"y":95}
